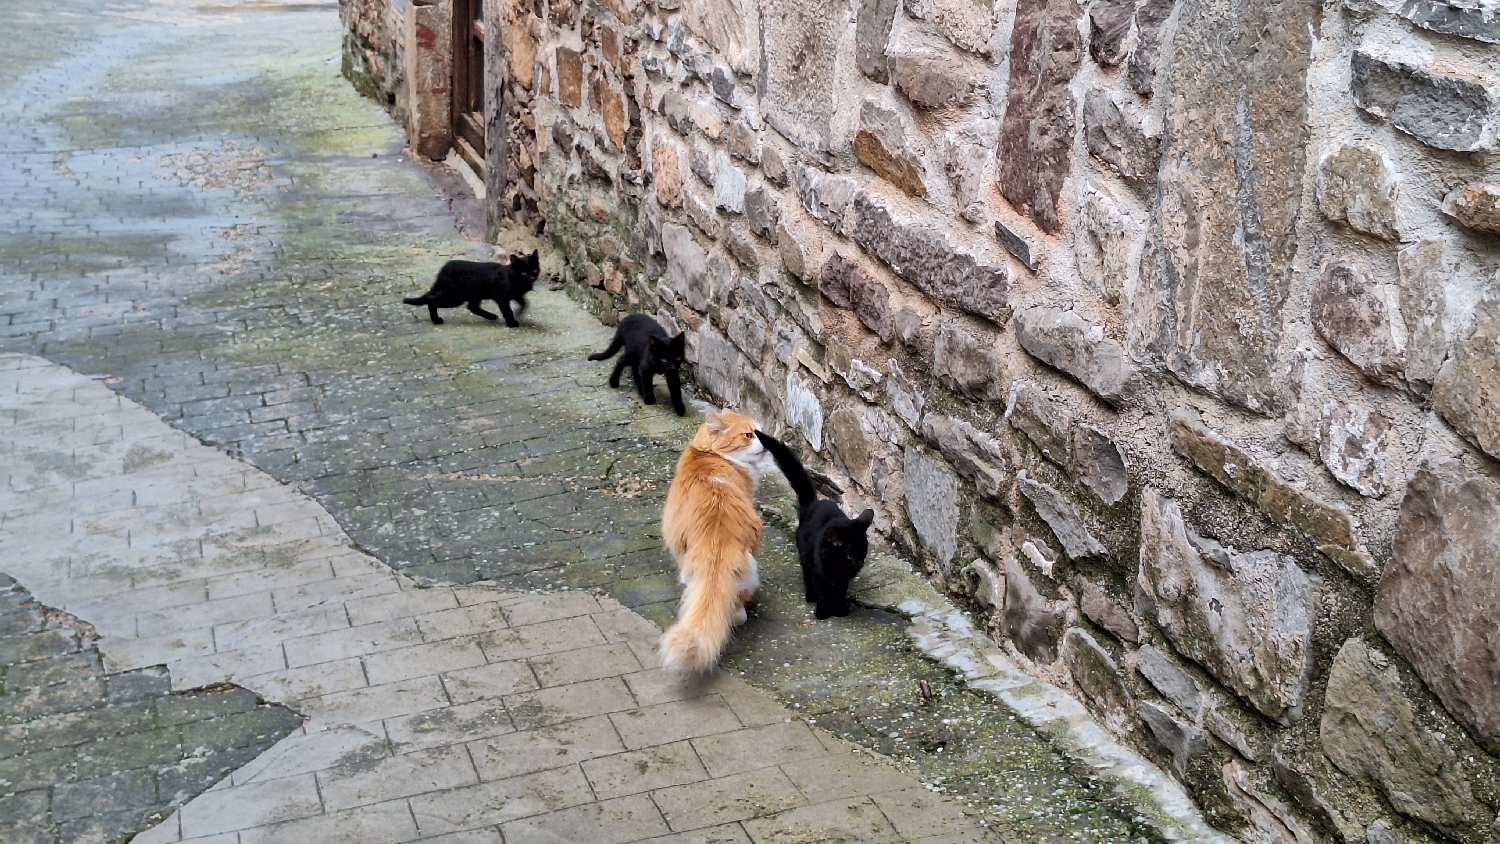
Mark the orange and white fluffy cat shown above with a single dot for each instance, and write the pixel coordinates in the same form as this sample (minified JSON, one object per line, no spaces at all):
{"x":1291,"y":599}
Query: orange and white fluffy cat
{"x":711,"y":528}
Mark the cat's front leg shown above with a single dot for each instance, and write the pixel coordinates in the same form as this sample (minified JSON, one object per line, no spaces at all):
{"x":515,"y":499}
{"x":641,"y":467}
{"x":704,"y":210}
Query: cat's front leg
{"x":674,"y":389}
{"x":510,"y":318}
{"x":643,"y":384}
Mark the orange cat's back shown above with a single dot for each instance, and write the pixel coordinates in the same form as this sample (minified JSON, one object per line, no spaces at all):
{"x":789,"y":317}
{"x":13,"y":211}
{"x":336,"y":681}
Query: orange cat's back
{"x":711,"y":528}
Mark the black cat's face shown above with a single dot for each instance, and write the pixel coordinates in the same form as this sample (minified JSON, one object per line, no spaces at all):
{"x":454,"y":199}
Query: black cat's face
{"x":846,"y":541}
{"x":524,"y":270}
{"x":668,"y":354}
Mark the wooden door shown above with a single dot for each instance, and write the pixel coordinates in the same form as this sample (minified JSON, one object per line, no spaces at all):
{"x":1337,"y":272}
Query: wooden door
{"x":468,"y":83}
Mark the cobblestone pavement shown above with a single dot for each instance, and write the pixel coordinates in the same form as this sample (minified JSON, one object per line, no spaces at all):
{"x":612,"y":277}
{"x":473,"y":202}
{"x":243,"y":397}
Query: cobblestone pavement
{"x":445,"y":713}
{"x":201,"y":213}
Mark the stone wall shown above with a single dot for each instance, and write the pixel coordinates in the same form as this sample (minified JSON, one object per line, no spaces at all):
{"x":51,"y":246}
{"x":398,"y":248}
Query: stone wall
{"x":1165,"y":333}
{"x":374,"y":51}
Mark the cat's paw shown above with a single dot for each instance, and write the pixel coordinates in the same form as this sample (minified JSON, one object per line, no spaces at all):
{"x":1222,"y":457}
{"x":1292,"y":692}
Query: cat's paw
{"x":512,"y":323}
{"x":740,"y":616}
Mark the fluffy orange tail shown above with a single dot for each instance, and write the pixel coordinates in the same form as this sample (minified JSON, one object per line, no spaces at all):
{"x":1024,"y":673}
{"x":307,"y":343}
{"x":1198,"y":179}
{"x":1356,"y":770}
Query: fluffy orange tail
{"x":710,"y":603}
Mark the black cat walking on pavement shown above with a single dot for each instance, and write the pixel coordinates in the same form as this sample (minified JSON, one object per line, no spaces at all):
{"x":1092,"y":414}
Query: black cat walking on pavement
{"x":649,"y":351}
{"x":472,"y":282}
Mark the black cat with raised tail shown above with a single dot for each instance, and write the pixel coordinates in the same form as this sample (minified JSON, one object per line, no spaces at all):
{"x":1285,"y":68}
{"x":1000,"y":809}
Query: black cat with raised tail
{"x":830,"y":546}
{"x":649,"y":351}
{"x":472,"y":282}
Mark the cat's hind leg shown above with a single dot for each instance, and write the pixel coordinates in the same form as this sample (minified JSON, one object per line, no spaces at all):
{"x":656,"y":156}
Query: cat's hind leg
{"x":614,"y":377}
{"x":749,"y":582}
{"x":432,"y":312}
{"x":474,"y":308}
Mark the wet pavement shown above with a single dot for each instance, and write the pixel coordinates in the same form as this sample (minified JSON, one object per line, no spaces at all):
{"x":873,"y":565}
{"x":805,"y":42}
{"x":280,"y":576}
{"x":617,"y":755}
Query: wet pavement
{"x":201,"y":214}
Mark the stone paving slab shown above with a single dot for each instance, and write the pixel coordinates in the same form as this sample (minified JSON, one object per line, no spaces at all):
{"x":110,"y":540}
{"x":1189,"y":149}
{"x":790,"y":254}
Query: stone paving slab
{"x":432,"y":714}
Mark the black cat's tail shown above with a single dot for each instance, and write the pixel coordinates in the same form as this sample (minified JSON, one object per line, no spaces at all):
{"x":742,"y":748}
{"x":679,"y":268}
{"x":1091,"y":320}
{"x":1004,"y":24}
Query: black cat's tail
{"x":615,"y":345}
{"x":791,"y":467}
{"x":416,"y":300}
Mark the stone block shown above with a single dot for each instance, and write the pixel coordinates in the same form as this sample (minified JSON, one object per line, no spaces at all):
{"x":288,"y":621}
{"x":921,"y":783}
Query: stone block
{"x":1225,"y":344}
{"x":1065,"y":341}
{"x":827,"y":197}
{"x":793,"y":251}
{"x":748,"y":332}
{"x":922,"y":256}
{"x":1150,"y":18}
{"x":1475,"y":205}
{"x":1352,"y":445}
{"x":569,"y":77}
{"x":965,"y":364}
{"x":718,"y":366}
{"x":1467,"y":391}
{"x":1426,"y":270}
{"x":1369,"y":730}
{"x":802,"y":40}
{"x":907,"y":399}
{"x":702,"y":163}
{"x":729,"y":185}
{"x":847,"y":285}
{"x":1097,"y":607}
{"x":1357,"y":186}
{"x":1109,"y":24}
{"x":932,"y":504}
{"x":967,"y":165}
{"x":1445,"y":110}
{"x":730,"y":27}
{"x":761,"y":214}
{"x":687,"y":265}
{"x":1175,"y":684}
{"x":677,"y":112}
{"x":1438,"y":595}
{"x":1269,"y":819}
{"x":1048,"y":426}
{"x":773,"y":167}
{"x":666,"y":174}
{"x":739,"y":245}
{"x":1095,"y":672}
{"x":1015,"y":245}
{"x":743,"y":142}
{"x":930,"y":79}
{"x":1033,"y":623}
{"x":1062,"y":517}
{"x":975,"y":454}
{"x":804,"y":410}
{"x":872,"y":31}
{"x":1099,"y":464}
{"x":1116,"y":137}
{"x":428,"y":63}
{"x":1180,"y":742}
{"x":1466,"y":20}
{"x":1036,"y":136}
{"x":969,"y":24}
{"x":899,"y":168}
{"x":1328,"y":527}
{"x":701,"y":213}
{"x":1354,"y":314}
{"x":1246,"y":617}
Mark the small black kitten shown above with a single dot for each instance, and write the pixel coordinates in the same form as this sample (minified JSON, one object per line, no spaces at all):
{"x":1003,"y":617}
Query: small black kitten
{"x":474,"y":281}
{"x":649,"y":351}
{"x":830,"y":545}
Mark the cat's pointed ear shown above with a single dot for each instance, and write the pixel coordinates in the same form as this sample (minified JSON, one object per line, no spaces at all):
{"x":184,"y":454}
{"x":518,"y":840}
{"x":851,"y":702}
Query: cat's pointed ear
{"x":678,"y":343}
{"x":715,"y":423}
{"x":865,"y":519}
